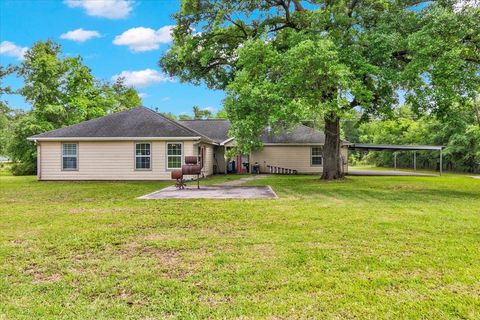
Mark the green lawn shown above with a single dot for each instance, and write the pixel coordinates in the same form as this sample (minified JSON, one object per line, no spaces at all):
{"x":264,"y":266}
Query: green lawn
{"x":364,"y":248}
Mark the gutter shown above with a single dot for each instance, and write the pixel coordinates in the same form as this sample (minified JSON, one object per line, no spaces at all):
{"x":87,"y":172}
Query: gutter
{"x":39,"y":159}
{"x":33,"y":138}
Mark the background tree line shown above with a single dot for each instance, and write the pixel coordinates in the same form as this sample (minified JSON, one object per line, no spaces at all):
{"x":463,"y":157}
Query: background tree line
{"x":198,"y":114}
{"x":458,"y":132}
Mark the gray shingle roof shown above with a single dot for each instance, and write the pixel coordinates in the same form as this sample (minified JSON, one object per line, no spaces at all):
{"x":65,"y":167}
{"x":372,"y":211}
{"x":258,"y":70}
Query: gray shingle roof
{"x":136,"y":122}
{"x":215,"y":129}
{"x":299,"y":134}
{"x":143,"y":122}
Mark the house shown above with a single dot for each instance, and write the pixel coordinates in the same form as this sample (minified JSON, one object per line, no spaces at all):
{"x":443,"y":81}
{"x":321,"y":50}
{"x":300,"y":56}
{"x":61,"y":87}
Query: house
{"x":4,"y":159}
{"x":140,"y":144}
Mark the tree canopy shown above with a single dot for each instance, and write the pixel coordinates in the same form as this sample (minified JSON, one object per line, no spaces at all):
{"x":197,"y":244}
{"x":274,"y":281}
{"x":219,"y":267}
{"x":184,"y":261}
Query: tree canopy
{"x":62,"y":91}
{"x":285,"y":61}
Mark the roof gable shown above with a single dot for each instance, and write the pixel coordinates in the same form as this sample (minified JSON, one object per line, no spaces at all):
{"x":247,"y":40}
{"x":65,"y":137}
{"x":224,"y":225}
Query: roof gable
{"x":214,"y":129}
{"x":136,"y":122}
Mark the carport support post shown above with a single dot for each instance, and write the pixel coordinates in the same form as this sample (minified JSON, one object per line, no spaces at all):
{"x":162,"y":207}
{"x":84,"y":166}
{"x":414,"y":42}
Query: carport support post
{"x":415,"y":160}
{"x":395,"y":160}
{"x":441,"y":161}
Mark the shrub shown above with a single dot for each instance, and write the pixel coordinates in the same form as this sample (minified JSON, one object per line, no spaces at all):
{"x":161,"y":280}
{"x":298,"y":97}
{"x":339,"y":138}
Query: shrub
{"x":23,"y":168}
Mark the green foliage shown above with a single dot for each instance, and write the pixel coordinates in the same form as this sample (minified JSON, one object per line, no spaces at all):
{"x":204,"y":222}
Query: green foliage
{"x":199,"y":113}
{"x":169,"y":115}
{"x":6,"y":113}
{"x":283,"y":86}
{"x":221,"y":114}
{"x":184,"y":117}
{"x":459,"y":133}
{"x":62,"y":92}
{"x":23,"y":168}
{"x":284,"y":62}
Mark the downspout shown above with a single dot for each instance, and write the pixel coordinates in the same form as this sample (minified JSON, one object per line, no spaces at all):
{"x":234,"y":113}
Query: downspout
{"x":39,"y":159}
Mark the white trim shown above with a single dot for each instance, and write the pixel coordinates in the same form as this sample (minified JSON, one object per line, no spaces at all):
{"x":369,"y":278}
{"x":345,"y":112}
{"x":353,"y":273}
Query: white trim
{"x":166,"y":154}
{"x":39,"y":161}
{"x":293,"y":144}
{"x":226,"y":141}
{"x":316,"y":156}
{"x":302,"y":144}
{"x":62,"y":144}
{"x":110,"y":138}
{"x":140,"y":156}
{"x":290,"y":144}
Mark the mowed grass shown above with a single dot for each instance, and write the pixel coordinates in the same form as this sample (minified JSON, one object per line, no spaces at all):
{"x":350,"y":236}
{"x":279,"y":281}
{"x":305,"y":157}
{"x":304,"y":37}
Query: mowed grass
{"x":363,"y":248}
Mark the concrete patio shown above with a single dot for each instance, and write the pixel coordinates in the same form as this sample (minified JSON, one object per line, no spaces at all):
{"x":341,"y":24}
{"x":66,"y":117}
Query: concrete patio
{"x":214,"y":192}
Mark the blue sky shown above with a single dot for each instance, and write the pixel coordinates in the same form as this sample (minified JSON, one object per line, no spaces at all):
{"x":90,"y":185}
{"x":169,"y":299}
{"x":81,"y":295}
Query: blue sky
{"x":115,"y":36}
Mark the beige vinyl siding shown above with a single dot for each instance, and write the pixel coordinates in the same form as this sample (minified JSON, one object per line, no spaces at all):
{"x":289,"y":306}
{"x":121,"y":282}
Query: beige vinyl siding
{"x":208,"y":164}
{"x":219,"y":159}
{"x":208,"y":161}
{"x":106,"y":160}
{"x":289,"y":157}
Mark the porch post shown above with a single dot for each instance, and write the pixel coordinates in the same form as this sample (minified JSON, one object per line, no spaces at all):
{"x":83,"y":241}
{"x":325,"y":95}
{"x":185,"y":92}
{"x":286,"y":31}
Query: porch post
{"x":225,"y":159}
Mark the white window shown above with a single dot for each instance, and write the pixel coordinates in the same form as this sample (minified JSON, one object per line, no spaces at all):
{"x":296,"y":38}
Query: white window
{"x":69,"y":156}
{"x":174,"y":155}
{"x":143,"y":157}
{"x":317,"y":159}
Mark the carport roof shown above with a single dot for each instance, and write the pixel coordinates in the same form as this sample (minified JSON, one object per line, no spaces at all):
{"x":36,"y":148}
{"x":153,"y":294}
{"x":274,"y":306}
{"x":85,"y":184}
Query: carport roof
{"x":392,"y":147}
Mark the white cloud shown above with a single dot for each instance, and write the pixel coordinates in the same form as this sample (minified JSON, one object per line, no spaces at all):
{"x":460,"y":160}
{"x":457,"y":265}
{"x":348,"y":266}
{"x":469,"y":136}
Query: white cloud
{"x":111,"y":9}
{"x":144,"y":39}
{"x":142,"y":94}
{"x":10,"y":49}
{"x":211,"y":109}
{"x":80,"y":35}
{"x":142,"y":78}
{"x":165,"y":99}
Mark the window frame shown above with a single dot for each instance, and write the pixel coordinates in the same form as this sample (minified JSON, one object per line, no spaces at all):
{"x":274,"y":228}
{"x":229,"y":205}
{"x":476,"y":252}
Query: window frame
{"x":135,"y":156}
{"x":316,"y":156}
{"x":62,"y":156}
{"x":167,"y":155}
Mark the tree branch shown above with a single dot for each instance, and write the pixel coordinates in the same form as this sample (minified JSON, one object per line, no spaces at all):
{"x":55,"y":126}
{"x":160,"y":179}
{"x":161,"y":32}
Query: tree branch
{"x":352,"y":7}
{"x":298,"y":5}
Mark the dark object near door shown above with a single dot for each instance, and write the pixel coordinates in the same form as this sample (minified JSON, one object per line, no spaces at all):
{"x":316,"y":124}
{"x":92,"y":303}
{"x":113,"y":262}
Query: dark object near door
{"x":256,"y":168}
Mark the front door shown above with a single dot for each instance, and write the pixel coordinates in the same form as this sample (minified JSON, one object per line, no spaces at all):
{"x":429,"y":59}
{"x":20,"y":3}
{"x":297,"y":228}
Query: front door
{"x":243,"y":164}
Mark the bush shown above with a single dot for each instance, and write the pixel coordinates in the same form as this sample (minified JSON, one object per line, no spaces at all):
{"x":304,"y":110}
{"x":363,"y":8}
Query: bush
{"x":23,"y":168}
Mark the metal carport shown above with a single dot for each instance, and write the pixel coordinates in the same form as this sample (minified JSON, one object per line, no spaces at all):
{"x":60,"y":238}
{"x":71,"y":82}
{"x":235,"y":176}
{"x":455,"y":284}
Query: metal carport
{"x":395,"y":148}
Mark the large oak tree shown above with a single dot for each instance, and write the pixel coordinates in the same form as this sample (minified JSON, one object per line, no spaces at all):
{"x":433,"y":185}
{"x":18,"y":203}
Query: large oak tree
{"x":285,"y":61}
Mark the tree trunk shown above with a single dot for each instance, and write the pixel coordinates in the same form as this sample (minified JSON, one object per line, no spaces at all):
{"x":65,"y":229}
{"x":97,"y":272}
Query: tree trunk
{"x":332,"y":160}
{"x":477,"y":112}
